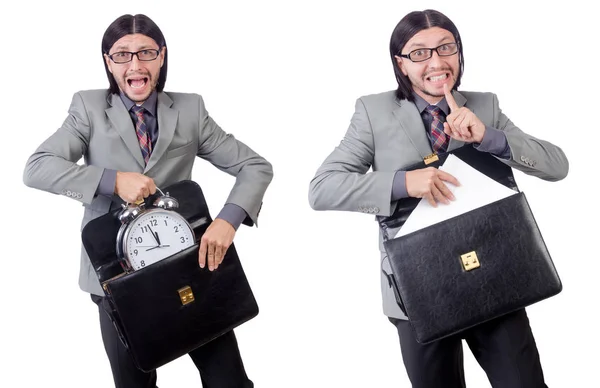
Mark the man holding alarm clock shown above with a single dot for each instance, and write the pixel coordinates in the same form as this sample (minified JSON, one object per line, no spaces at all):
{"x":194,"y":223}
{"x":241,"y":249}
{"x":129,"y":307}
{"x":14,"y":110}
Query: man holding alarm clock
{"x":134,"y":137}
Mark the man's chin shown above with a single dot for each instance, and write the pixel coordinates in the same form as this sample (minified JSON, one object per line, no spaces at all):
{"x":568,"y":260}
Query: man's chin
{"x":433,"y":93}
{"x":138,"y":98}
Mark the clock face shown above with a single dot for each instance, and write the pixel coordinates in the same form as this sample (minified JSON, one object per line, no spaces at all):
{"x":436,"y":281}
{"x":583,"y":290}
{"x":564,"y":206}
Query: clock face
{"x":156,"y":235}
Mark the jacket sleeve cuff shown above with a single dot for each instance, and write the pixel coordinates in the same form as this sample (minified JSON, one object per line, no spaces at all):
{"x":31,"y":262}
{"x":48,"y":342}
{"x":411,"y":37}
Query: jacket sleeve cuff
{"x":107,"y":183}
{"x":233,"y":214}
{"x":399,"y":186}
{"x":494,"y":141}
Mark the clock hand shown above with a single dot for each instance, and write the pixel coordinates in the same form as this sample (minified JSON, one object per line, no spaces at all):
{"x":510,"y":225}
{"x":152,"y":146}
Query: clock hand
{"x":158,"y":246}
{"x":154,"y":235}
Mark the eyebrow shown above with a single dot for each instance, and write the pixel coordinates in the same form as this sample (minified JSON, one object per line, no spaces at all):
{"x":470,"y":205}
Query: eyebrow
{"x":418,"y":44}
{"x":126,"y":48}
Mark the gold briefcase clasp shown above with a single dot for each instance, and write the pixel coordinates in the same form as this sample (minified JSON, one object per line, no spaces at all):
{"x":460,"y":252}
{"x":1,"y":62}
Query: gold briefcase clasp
{"x":186,"y":295}
{"x":470,"y":261}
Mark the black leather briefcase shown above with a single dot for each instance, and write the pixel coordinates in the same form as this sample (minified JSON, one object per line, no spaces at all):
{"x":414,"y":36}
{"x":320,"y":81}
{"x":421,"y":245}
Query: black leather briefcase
{"x":173,"y":306}
{"x":472,"y":268}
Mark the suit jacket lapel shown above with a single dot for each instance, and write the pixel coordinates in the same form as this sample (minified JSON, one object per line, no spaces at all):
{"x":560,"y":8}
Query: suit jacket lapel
{"x":460,"y":101}
{"x":121,"y":121}
{"x":167,"y":121}
{"x":411,"y":122}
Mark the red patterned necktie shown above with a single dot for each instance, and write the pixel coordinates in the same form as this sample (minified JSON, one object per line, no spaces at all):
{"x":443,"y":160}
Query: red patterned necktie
{"x":142,"y":132}
{"x":439,"y":140}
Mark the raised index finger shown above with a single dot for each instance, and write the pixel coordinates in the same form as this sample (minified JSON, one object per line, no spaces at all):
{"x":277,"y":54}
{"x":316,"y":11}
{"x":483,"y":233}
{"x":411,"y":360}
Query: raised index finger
{"x":449,"y":99}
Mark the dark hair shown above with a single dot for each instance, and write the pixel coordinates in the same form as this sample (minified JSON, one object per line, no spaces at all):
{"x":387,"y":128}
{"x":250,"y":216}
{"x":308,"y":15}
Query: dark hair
{"x":133,"y":24}
{"x":408,"y":27}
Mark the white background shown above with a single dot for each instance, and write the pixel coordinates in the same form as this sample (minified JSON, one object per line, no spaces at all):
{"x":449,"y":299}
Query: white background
{"x":283,"y":77}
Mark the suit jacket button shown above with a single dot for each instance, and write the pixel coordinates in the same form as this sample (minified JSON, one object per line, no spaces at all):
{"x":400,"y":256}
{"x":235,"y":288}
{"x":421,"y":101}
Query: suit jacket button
{"x":68,"y":193}
{"x":376,"y":209}
{"x":79,"y":195}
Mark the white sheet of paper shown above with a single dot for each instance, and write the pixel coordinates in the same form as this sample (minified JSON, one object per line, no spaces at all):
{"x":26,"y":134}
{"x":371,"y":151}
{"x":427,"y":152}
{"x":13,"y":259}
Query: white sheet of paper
{"x":475,"y":190}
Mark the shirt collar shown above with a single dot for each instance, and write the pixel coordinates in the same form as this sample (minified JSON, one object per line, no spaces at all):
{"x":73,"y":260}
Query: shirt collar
{"x":149,"y":104}
{"x":422,"y":104}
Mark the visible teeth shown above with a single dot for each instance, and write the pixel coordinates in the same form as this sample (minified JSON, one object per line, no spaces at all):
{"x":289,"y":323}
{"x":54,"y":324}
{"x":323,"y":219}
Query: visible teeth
{"x":438,"y":77}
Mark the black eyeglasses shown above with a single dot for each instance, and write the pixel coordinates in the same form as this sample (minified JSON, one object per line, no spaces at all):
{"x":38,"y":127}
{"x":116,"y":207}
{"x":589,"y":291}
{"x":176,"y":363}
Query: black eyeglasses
{"x":142,"y":55}
{"x":423,"y":54}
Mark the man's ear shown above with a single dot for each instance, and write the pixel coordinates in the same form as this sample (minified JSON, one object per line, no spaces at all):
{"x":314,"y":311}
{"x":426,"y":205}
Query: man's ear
{"x":400,"y":63}
{"x":108,"y":63}
{"x":163,"y":52}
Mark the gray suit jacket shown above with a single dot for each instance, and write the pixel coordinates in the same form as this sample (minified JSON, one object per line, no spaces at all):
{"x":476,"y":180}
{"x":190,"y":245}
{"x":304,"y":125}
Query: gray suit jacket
{"x":388,"y":135}
{"x":100,"y":129}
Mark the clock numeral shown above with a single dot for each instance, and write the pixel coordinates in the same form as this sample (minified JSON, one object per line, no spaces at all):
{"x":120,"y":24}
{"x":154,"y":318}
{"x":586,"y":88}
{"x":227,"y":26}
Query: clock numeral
{"x":135,"y":252}
{"x":138,"y":240}
{"x":166,"y":223}
{"x":144,"y":229}
{"x":142,"y":263}
{"x":176,"y":229}
{"x":153,"y":222}
{"x":182,"y":239}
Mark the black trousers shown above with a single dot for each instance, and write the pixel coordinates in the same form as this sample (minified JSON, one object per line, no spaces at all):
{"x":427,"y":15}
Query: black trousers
{"x":219,"y":362}
{"x":504,"y":347}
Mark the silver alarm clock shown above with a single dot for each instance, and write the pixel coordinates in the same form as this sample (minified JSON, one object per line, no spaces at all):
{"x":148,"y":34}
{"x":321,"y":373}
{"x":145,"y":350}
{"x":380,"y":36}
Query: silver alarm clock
{"x":147,"y":236}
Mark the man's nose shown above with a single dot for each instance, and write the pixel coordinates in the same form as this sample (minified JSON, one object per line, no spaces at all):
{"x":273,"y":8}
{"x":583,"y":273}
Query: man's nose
{"x":135,"y":62}
{"x":435,"y":60}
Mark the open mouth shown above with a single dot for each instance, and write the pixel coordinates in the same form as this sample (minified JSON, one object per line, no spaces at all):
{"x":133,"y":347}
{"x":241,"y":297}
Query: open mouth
{"x":137,"y":83}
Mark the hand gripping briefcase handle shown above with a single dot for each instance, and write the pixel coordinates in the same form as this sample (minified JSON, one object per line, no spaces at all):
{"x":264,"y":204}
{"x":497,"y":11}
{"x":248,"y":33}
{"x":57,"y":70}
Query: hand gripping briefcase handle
{"x":169,"y":308}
